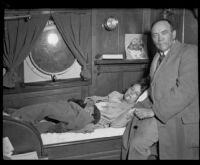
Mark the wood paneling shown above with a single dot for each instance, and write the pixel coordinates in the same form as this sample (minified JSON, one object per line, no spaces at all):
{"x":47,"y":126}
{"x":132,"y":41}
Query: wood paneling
{"x":22,"y":99}
{"x":110,"y":78}
{"x":101,"y":148}
{"x":117,"y":76}
{"x":129,"y":78}
{"x":190,"y":28}
{"x":130,"y":21}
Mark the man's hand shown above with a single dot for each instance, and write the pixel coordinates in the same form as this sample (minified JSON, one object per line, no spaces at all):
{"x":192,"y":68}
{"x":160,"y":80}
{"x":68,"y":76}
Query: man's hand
{"x":143,"y":113}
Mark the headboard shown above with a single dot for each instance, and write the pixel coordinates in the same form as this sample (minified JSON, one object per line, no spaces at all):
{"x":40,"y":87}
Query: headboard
{"x":27,"y":139}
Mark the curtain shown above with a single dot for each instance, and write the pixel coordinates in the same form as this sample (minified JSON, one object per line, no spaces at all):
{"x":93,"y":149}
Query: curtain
{"x":75,"y":29}
{"x":19,"y":37}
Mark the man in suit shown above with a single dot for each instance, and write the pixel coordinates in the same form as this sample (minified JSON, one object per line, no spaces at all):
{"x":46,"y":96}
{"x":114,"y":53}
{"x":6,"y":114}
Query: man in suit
{"x":170,"y":115}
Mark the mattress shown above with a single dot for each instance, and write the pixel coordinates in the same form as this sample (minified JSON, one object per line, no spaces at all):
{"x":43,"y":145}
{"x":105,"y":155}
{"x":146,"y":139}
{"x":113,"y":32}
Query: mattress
{"x":53,"y":138}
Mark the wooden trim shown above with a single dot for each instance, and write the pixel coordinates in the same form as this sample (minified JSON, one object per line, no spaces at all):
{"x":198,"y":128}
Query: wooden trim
{"x":100,"y":148}
{"x":42,"y":86}
{"x":110,"y":69}
{"x":108,"y":66}
{"x":18,"y":100}
{"x":117,"y":62}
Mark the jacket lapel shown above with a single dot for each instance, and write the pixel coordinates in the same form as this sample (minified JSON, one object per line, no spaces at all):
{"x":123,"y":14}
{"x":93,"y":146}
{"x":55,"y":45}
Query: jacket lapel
{"x":154,"y":72}
{"x":153,"y":66}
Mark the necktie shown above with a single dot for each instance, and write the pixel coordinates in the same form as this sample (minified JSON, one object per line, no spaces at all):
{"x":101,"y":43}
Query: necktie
{"x":160,"y":59}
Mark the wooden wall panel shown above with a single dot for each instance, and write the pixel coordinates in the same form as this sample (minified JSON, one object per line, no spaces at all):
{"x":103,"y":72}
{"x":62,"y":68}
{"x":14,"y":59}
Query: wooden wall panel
{"x":103,"y":41}
{"x":190,"y":28}
{"x":118,"y":75}
{"x":107,"y":41}
{"x":131,"y":77}
{"x":22,"y":99}
{"x":132,"y":21}
{"x":107,"y":82}
{"x":100,"y":148}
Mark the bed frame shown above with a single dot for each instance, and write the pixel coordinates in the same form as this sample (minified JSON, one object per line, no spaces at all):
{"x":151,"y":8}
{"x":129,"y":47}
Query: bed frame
{"x":25,"y":138}
{"x":101,"y":148}
{"x":28,"y":139}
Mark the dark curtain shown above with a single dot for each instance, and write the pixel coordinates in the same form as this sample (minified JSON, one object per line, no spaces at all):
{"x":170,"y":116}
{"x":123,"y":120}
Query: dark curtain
{"x":19,"y":37}
{"x":75,"y":29}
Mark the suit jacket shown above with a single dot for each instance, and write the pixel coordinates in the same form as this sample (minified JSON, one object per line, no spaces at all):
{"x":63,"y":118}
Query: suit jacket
{"x":175,"y":101}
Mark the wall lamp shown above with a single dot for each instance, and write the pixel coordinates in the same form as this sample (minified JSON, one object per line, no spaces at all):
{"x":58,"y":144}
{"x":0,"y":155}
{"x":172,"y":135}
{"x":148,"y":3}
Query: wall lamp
{"x":110,"y":23}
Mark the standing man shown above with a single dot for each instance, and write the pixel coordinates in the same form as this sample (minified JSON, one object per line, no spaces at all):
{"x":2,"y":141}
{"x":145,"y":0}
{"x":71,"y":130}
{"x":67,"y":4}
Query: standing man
{"x":173,"y":102}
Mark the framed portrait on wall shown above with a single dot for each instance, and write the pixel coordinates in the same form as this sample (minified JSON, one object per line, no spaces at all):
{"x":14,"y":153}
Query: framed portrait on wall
{"x":136,"y":46}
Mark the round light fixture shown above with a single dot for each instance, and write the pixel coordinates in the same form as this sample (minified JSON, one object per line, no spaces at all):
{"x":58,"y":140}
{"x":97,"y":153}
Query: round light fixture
{"x":52,"y":39}
{"x":111,"y":23}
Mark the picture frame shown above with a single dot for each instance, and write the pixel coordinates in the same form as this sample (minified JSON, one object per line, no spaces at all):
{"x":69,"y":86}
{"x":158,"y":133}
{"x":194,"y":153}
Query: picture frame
{"x":136,"y":46}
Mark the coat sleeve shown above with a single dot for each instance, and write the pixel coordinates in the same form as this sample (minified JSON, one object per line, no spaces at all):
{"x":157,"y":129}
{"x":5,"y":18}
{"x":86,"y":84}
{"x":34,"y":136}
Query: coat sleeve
{"x":183,"y":93}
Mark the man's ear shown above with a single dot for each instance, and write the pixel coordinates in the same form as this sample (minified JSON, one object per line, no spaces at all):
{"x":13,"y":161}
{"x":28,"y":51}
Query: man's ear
{"x":174,"y":34}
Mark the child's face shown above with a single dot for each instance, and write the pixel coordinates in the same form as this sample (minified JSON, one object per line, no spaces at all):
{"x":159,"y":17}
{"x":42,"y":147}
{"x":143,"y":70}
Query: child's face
{"x":133,"y":93}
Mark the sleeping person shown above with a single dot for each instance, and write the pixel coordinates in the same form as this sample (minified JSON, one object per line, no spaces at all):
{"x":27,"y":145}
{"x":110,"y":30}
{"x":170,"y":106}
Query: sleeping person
{"x":116,"y":109}
{"x":77,"y":116}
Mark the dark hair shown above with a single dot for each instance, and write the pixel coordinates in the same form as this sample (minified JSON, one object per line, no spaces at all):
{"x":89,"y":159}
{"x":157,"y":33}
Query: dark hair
{"x":167,"y":20}
{"x":96,"y":115}
{"x":145,"y":83}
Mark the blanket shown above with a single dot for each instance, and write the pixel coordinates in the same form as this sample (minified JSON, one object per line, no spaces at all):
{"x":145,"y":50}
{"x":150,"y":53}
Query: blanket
{"x":57,"y":117}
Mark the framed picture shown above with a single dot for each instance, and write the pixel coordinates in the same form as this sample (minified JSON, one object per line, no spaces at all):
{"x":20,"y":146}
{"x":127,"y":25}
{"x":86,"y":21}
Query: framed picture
{"x":136,"y":46}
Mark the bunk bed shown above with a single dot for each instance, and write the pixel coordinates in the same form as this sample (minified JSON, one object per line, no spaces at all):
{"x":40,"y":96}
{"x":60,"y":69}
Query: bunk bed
{"x":102,"y":143}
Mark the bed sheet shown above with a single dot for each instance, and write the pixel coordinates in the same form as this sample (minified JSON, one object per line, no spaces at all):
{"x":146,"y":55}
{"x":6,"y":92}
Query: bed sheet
{"x":53,"y":138}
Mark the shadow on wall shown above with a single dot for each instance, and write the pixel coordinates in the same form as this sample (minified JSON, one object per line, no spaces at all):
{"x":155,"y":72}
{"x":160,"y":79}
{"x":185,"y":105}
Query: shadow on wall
{"x":151,"y":49}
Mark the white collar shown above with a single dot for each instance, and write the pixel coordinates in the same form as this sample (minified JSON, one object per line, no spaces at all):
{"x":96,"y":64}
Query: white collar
{"x":165,"y":52}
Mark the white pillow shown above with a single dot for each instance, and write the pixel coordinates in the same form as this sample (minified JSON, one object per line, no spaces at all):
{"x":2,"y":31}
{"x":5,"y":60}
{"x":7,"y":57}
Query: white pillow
{"x":143,"y":96}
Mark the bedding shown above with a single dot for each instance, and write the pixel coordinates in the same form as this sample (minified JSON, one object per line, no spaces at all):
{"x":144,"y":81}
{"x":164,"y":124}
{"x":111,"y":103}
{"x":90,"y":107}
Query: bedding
{"x":53,"y":138}
{"x":60,"y":116}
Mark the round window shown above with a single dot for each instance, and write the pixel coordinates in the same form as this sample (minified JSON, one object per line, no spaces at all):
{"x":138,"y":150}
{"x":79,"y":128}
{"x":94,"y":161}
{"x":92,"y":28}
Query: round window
{"x":50,"y":55}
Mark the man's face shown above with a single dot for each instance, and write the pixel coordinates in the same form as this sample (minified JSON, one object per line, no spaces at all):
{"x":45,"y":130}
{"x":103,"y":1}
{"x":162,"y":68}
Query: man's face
{"x":133,"y":93}
{"x":162,"y":35}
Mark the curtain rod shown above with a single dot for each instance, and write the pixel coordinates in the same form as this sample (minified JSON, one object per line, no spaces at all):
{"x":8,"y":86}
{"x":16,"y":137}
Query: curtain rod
{"x":17,"y":17}
{"x":43,"y":12}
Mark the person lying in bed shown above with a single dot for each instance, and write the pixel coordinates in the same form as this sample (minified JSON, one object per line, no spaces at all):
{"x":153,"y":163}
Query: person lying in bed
{"x":116,"y":109}
{"x":76,"y":116}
